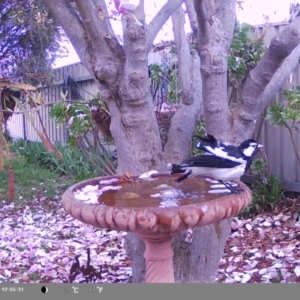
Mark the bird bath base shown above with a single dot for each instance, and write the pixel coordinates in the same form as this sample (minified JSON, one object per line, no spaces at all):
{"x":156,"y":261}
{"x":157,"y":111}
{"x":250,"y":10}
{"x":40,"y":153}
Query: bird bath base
{"x":155,"y":210}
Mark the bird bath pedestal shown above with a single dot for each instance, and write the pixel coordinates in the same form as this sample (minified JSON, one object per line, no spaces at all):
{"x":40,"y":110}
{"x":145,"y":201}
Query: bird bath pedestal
{"x":155,"y":210}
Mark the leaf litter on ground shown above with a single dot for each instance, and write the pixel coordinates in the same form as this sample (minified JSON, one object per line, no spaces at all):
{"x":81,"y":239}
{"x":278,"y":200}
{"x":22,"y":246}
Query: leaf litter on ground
{"x":39,"y":242}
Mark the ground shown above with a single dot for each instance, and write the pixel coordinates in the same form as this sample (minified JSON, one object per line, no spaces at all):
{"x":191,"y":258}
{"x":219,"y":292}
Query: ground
{"x":265,"y":248}
{"x":39,"y":243}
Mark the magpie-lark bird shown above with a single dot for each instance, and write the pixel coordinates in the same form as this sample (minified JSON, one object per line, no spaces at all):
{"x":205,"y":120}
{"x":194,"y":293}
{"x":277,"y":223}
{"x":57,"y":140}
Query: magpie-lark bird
{"x":246,"y":149}
{"x":221,"y":161}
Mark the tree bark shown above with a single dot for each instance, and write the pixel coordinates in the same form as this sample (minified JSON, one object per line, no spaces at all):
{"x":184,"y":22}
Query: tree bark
{"x":183,"y":123}
{"x":135,"y":249}
{"x":159,"y":20}
{"x":214,"y":39}
{"x":135,"y":129}
{"x":199,"y":261}
{"x":253,"y":99}
{"x":122,"y":79}
{"x":279,"y":78}
{"x":192,"y":16}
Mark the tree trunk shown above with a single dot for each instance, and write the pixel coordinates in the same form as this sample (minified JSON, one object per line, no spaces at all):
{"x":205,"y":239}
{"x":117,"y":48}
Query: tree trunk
{"x":135,"y":249}
{"x":214,"y":39}
{"x":134,"y":125}
{"x":199,"y":261}
{"x":187,"y":117}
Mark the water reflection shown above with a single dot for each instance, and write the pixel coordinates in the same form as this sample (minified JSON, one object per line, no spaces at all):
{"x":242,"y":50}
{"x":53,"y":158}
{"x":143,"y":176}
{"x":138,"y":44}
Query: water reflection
{"x":161,"y":192}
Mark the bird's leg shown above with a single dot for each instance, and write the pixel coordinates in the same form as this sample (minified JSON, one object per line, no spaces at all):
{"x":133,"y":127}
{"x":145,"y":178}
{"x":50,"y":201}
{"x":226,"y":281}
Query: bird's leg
{"x":236,"y":186}
{"x":232,"y":189}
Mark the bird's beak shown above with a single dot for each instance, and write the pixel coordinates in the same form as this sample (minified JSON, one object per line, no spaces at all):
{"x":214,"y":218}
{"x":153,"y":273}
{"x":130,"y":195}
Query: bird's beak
{"x":259,"y":146}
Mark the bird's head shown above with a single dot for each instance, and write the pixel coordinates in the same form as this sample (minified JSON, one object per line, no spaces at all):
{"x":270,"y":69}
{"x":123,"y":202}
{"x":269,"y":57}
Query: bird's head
{"x":249,"y":147}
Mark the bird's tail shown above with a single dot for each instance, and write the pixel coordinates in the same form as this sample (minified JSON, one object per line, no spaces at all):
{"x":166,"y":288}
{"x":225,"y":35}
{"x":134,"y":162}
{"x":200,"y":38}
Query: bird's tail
{"x":177,"y":169}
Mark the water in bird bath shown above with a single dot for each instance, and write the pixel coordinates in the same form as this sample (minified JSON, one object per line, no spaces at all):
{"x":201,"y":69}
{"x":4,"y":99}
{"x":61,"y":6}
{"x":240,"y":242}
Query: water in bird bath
{"x":160,"y":192}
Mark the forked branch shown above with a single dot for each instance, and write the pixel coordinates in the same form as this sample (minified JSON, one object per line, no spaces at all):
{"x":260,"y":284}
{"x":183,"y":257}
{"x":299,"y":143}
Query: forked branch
{"x":159,"y":20}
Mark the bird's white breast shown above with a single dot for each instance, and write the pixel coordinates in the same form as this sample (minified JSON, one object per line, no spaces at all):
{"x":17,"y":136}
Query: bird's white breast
{"x":224,"y":174}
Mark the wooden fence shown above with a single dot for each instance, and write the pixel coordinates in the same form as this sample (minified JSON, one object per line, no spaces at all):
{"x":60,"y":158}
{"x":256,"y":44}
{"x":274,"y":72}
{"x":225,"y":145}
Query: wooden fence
{"x":281,"y":158}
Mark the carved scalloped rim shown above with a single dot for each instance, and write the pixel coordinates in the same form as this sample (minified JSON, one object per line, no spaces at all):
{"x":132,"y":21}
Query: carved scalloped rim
{"x":154,"y":220}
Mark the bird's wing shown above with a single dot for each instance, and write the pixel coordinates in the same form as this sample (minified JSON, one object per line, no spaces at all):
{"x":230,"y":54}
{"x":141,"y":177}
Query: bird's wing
{"x":211,"y":145}
{"x":225,"y":152}
{"x":206,"y":142}
{"x":208,"y":138}
{"x":210,"y":161}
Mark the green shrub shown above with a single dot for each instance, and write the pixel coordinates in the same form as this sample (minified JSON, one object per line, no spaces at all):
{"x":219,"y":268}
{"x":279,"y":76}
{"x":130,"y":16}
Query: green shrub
{"x":32,"y":152}
{"x":266,"y":189}
{"x":74,"y":163}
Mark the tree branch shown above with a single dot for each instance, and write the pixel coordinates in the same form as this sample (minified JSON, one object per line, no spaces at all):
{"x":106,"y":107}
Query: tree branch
{"x":96,"y":22}
{"x":224,"y":9}
{"x":294,"y":144}
{"x":140,"y":11}
{"x":192,"y":15}
{"x":279,"y":78}
{"x":159,"y":20}
{"x":182,"y":128}
{"x":72,"y":25}
{"x":183,"y":56}
{"x":213,"y":46}
{"x":252,"y":98}
{"x":202,"y":21}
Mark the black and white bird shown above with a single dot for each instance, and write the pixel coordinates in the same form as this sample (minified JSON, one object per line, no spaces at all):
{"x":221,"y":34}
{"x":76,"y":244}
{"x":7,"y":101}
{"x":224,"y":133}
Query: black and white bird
{"x":246,"y":150}
{"x":221,"y":161}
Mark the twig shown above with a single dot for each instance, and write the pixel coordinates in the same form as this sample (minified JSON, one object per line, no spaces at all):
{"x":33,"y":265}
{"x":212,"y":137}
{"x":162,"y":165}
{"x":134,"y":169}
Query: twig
{"x":160,"y":18}
{"x":44,"y":105}
{"x":293,"y":141}
{"x":81,"y":146}
{"x":106,"y":163}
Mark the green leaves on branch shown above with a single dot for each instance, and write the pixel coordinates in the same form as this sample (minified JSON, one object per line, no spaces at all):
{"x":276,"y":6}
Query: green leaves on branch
{"x":279,"y":114}
{"x":77,"y":117}
{"x":245,"y":52}
{"x":275,"y":114}
{"x":58,"y":112}
{"x":85,"y":120}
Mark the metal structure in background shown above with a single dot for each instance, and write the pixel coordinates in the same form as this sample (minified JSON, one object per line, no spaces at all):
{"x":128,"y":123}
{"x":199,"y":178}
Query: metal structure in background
{"x":276,"y":141}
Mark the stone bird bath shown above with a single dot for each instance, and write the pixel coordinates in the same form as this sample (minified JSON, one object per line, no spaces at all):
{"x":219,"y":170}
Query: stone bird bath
{"x":155,"y":209}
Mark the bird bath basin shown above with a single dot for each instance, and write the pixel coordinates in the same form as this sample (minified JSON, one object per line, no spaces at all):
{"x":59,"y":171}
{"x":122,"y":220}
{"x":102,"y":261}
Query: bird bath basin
{"x":155,"y":210}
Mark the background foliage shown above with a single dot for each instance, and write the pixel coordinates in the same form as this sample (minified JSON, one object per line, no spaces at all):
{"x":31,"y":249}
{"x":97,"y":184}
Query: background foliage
{"x":29,"y":40}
